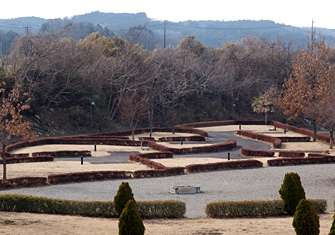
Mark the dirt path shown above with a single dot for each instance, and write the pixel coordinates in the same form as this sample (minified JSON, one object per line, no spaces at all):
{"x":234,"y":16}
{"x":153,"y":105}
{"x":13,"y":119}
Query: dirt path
{"x":24,"y":223}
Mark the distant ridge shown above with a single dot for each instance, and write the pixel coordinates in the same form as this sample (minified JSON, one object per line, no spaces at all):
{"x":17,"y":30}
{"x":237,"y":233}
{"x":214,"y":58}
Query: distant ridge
{"x":210,"y":33}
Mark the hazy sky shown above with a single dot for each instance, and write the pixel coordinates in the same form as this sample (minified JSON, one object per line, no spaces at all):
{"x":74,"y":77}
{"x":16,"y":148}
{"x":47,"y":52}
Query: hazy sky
{"x":290,"y":12}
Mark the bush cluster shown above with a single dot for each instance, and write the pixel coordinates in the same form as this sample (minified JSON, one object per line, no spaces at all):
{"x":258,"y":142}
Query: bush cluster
{"x":257,"y":153}
{"x":255,"y":208}
{"x":275,"y":141}
{"x":291,"y":154}
{"x":32,"y":204}
{"x":242,"y":164}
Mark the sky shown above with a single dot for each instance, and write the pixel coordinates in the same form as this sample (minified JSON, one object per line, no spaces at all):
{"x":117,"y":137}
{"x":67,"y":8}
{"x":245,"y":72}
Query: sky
{"x":298,"y":13}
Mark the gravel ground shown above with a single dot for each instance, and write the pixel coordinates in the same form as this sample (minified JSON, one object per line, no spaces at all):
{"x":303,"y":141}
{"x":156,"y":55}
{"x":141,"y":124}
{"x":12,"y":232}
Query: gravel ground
{"x":235,"y":185}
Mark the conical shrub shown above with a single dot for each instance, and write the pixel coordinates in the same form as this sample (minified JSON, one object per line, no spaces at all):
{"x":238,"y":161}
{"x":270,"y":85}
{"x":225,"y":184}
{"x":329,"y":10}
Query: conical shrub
{"x":306,"y":221}
{"x":123,"y":195}
{"x":332,"y":229}
{"x":130,"y":222}
{"x":291,"y":192}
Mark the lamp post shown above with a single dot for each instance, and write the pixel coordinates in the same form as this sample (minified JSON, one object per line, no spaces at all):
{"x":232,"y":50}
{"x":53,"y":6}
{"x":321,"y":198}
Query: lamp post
{"x":91,"y":110}
{"x":233,"y":107}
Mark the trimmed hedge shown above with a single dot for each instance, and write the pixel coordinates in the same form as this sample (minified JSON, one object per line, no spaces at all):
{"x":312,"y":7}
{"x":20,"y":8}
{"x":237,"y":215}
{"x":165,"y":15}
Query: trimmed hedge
{"x":294,"y":139}
{"x":32,"y":204}
{"x":184,"y":138}
{"x":301,"y":161}
{"x":224,"y":123}
{"x":291,"y":154}
{"x":257,"y":153}
{"x":162,"y":209}
{"x":275,"y":141}
{"x":23,"y":182}
{"x":64,"y":154}
{"x":255,"y":208}
{"x":14,"y":160}
{"x":88,"y":176}
{"x":230,"y":165}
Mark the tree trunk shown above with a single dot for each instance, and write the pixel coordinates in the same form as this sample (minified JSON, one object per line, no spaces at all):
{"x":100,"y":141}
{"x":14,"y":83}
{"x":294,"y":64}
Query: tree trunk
{"x":266,"y":118}
{"x":314,"y":128}
{"x":4,"y":161}
{"x":331,"y":134}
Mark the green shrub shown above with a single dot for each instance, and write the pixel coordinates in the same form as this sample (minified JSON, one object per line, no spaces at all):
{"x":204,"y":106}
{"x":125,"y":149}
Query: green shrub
{"x":162,"y":209}
{"x":255,"y":208}
{"x":291,"y":192}
{"x":130,"y":221}
{"x":306,"y":221}
{"x":31,"y":204}
{"x":332,"y":229}
{"x":123,"y":195}
{"x":244,"y":208}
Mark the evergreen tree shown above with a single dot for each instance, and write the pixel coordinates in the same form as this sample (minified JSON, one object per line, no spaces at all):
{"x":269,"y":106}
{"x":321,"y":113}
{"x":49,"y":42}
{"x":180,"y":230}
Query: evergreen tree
{"x":291,"y":192}
{"x":306,"y":221}
{"x":123,"y":195}
{"x":130,"y":222}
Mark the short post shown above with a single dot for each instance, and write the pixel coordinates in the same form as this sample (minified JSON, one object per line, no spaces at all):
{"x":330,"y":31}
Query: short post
{"x":82,"y":160}
{"x":150,"y":134}
{"x":239,"y":127}
{"x":228,"y":155}
{"x":284,"y":130}
{"x":181,"y":141}
{"x":95,"y":147}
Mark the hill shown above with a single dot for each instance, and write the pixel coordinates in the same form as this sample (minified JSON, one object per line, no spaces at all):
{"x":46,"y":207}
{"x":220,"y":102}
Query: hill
{"x":209,"y":33}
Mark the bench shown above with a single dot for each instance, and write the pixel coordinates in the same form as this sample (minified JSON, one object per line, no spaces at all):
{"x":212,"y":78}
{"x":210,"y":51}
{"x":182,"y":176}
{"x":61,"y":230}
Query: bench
{"x":145,"y":148}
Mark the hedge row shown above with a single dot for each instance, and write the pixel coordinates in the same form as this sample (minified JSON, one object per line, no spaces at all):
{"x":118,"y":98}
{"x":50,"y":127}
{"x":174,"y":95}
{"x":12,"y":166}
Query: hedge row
{"x":23,"y":182}
{"x":88,"y":176}
{"x":301,"y":161}
{"x":31,"y":204}
{"x":294,"y":139}
{"x":64,"y":154}
{"x":256,"y":153}
{"x":229,"y":165}
{"x":255,"y":208}
{"x":14,"y":160}
{"x":291,"y":154}
{"x":180,"y":138}
{"x":275,"y":141}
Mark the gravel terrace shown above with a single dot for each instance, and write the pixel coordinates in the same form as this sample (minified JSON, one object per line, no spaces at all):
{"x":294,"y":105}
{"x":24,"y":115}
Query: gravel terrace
{"x":234,"y":185}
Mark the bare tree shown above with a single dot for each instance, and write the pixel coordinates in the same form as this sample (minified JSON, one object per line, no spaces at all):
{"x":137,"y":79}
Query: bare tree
{"x":133,"y":108}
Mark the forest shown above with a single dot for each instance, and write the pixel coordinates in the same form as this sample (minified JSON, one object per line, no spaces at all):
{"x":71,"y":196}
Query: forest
{"x":122,"y":85}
